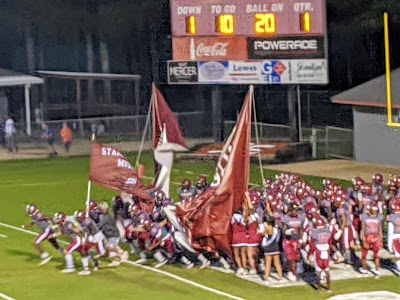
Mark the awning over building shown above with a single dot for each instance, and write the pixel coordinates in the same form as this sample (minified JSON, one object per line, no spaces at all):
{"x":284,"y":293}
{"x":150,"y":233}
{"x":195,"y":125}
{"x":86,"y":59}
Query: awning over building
{"x":371,"y":93}
{"x":9,"y":78}
{"x":12,"y":78}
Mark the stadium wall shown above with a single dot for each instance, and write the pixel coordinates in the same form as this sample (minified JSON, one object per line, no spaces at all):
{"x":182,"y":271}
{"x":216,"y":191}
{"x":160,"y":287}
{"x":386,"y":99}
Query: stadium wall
{"x":374,"y":141}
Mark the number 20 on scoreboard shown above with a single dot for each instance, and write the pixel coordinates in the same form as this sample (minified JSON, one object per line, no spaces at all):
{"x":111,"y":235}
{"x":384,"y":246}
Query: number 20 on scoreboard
{"x":263,"y":23}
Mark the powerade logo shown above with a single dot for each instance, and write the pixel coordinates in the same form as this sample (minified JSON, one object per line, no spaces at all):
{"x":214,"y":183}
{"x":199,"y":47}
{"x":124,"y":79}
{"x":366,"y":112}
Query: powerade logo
{"x":272,"y":70}
{"x":289,"y":47}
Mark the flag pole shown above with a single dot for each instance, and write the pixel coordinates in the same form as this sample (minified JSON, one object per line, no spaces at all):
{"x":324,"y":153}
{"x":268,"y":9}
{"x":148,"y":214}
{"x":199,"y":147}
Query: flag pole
{"x":256,"y":132}
{"x":89,"y":188}
{"x":145,"y":127}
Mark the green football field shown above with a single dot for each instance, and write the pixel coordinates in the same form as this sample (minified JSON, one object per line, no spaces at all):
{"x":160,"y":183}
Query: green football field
{"x":60,"y":185}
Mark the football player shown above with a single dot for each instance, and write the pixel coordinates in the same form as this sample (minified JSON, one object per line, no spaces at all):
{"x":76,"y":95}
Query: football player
{"x":371,"y":230}
{"x":293,"y":231}
{"x":394,"y":234}
{"x":109,"y":228}
{"x":320,"y":241}
{"x":187,"y":190}
{"x":69,"y":229}
{"x":45,"y":225}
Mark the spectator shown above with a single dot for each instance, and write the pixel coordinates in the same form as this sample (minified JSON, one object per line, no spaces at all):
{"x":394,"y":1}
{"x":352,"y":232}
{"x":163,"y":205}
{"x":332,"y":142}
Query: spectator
{"x":10,"y":132}
{"x":2,"y":133}
{"x":66,"y":134}
{"x":48,"y":135}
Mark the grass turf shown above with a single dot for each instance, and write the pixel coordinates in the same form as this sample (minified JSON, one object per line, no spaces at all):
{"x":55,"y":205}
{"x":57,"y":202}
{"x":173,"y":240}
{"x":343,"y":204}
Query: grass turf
{"x":61,"y":184}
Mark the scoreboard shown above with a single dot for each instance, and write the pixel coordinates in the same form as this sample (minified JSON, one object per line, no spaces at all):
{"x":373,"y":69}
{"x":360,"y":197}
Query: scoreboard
{"x":248,"y":42}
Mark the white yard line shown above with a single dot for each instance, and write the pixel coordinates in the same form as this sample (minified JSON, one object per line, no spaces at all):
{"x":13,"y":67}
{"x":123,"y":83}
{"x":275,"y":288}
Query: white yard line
{"x":3,"y":236}
{"x":6,"y":297}
{"x":176,"y":277}
{"x":31,"y":184}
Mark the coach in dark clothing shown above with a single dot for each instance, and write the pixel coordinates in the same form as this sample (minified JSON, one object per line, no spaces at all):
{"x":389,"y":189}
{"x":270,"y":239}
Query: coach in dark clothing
{"x":107,"y":223}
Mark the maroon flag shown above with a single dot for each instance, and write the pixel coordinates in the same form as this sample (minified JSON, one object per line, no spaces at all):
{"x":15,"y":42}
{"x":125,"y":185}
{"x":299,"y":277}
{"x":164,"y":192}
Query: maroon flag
{"x":167,"y":138}
{"x":208,"y":217}
{"x":110,"y":169}
{"x":163,"y":116}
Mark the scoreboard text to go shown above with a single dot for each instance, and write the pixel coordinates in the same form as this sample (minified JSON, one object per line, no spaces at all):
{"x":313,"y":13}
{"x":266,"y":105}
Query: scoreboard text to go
{"x":263,"y":24}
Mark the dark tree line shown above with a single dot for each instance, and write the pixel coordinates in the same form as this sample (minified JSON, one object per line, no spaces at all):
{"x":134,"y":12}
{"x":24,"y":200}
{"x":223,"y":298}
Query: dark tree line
{"x":133,"y":36}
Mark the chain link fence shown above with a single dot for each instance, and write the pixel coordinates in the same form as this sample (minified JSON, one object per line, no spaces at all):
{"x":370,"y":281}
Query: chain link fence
{"x":327,"y":141}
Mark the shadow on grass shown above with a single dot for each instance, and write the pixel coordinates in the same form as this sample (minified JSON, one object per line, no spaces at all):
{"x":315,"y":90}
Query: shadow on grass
{"x":29,"y":256}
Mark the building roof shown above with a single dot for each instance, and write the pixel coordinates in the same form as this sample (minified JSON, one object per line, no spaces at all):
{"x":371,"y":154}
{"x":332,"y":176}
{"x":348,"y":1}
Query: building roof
{"x":12,"y":78}
{"x":85,"y":75}
{"x":371,"y":93}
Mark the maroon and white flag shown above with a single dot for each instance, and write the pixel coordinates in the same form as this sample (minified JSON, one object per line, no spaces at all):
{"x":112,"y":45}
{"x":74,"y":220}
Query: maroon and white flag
{"x":110,"y":169}
{"x":207,"y":218}
{"x":167,"y":139}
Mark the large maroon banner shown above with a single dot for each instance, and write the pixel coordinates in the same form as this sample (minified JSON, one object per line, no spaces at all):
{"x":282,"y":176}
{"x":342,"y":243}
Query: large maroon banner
{"x":208,"y":217}
{"x":110,"y":169}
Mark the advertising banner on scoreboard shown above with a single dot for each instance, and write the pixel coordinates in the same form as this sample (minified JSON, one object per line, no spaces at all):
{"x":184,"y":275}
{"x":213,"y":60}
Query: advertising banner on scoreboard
{"x":288,"y":47}
{"x":274,"y":71}
{"x":311,"y":71}
{"x":244,"y":72}
{"x":183,"y":72}
{"x":213,"y":72}
{"x":209,"y":48}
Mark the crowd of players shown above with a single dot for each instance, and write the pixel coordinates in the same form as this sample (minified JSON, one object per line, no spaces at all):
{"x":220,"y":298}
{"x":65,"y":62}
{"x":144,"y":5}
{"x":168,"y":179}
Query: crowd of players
{"x":288,"y":224}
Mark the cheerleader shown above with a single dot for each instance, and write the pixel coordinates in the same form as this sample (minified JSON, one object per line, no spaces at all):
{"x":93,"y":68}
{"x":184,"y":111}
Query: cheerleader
{"x":270,"y":246}
{"x":239,"y":242}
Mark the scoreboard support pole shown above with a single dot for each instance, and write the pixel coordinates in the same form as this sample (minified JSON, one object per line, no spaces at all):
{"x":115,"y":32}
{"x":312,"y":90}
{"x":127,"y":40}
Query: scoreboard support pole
{"x":292,"y":114}
{"x":216,"y":100}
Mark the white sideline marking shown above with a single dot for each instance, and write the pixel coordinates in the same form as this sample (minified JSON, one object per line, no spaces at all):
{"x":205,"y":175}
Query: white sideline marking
{"x":203,"y":287}
{"x":176,"y":277}
{"x":5,"y":297}
{"x":31,"y":184}
{"x":3,"y":236}
{"x":189,"y":172}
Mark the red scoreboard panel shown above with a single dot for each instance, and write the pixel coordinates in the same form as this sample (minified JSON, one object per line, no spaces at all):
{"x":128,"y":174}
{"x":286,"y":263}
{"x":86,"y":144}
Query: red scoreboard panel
{"x":247,"y":18}
{"x":252,"y":41}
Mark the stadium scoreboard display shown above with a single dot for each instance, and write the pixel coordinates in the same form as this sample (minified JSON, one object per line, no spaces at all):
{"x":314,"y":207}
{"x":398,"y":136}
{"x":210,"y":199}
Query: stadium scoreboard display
{"x":248,"y":42}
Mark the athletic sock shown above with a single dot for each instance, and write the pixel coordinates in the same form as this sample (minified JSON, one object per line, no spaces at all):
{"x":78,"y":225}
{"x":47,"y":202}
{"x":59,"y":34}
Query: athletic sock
{"x":85,"y":262}
{"x":70,"y":261}
{"x":185,"y":260}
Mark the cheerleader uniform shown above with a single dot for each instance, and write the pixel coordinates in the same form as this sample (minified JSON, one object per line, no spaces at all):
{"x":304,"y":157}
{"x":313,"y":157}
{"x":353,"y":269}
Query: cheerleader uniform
{"x":238,"y":231}
{"x":270,"y":243}
{"x":253,"y":237}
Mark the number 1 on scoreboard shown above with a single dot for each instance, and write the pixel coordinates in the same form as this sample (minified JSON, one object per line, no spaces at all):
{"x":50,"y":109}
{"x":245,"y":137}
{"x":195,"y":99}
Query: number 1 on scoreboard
{"x":191,"y":26}
{"x":265,"y":23}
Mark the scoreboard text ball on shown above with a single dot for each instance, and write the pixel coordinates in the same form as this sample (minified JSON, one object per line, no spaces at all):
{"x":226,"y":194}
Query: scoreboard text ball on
{"x":249,"y":42}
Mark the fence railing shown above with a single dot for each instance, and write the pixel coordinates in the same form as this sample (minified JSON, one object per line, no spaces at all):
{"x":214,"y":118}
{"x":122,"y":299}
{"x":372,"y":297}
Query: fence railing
{"x":127,"y":128}
{"x":327,"y":142}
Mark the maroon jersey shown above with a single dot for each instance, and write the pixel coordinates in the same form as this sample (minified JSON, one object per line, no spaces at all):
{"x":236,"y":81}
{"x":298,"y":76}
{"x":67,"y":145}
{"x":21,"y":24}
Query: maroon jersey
{"x":371,"y":223}
{"x":294,"y":222}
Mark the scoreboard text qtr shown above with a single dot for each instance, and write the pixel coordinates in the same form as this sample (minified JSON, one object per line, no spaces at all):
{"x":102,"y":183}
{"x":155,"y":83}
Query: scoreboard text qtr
{"x":247,"y":18}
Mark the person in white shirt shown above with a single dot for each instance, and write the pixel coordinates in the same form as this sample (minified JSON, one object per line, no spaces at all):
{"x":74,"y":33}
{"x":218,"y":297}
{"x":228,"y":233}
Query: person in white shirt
{"x":9,"y":131}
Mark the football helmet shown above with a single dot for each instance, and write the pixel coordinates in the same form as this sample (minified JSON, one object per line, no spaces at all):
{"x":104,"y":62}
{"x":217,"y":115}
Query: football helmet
{"x":59,"y":217}
{"x":31,"y":209}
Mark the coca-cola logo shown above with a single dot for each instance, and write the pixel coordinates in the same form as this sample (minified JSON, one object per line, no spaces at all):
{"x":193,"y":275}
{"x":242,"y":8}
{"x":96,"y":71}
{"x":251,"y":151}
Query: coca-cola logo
{"x":217,"y":49}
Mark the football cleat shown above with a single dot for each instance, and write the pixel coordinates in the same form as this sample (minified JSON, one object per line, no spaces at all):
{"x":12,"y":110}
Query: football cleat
{"x":68,"y":270}
{"x":84,"y":272}
{"x":204,"y":264}
{"x":189,"y":266}
{"x":45,"y":260}
{"x":160,"y":264}
{"x":141,"y":261}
